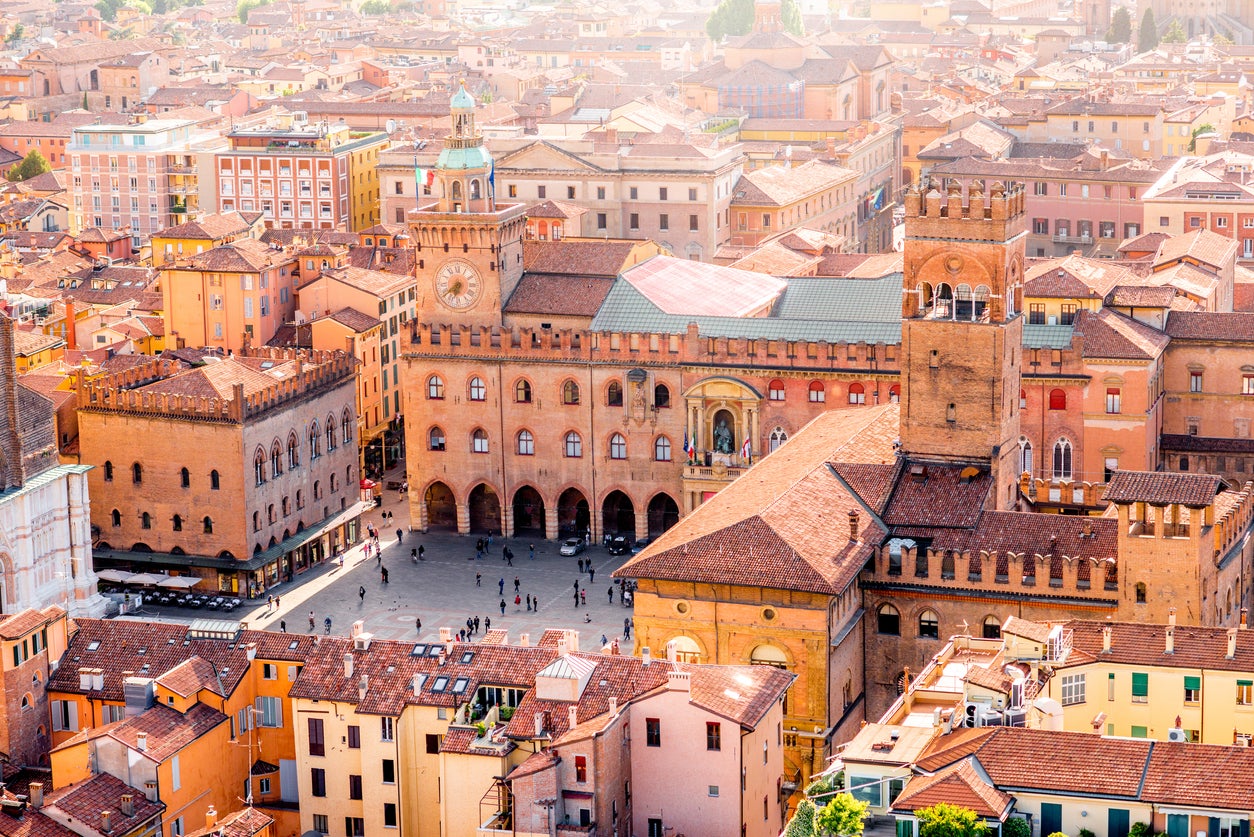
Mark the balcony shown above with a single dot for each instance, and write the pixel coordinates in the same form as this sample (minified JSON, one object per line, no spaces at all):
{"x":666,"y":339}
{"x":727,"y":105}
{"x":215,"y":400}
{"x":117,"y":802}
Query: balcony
{"x":1066,"y":238}
{"x":574,"y":828}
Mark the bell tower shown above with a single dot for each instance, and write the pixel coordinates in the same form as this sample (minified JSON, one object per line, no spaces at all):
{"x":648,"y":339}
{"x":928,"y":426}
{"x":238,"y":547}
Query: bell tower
{"x":469,"y":247}
{"x":962,"y":331}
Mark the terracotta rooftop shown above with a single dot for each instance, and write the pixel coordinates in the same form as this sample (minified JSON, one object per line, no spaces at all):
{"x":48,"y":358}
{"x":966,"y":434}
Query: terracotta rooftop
{"x":1109,"y":334}
{"x":168,"y":730}
{"x":1159,"y":489}
{"x":578,"y":257}
{"x":18,"y":625}
{"x":242,"y":823}
{"x":1140,"y":296}
{"x":84,"y":801}
{"x":1202,"y":245}
{"x":1205,"y":325}
{"x":958,"y":784}
{"x":1141,"y":644}
{"x":937,"y":495}
{"x":572,"y":296}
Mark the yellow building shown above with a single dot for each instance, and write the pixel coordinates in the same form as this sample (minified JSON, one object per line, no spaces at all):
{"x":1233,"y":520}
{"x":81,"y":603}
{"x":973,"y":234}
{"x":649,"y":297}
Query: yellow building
{"x":34,"y":349}
{"x":204,"y":234}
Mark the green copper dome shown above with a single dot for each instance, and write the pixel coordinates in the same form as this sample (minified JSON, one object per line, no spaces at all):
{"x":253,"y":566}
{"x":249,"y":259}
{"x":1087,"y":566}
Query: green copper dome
{"x":461,"y":100}
{"x":461,"y":159}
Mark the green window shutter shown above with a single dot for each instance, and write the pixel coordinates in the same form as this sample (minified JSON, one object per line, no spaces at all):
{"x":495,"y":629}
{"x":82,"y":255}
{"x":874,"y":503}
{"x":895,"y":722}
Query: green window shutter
{"x":1245,"y":683}
{"x":1194,"y":683}
{"x":1140,"y":684}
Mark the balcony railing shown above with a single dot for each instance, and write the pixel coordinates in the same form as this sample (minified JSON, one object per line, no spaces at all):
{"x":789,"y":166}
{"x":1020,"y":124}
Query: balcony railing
{"x":1066,"y":238}
{"x":713,"y":472}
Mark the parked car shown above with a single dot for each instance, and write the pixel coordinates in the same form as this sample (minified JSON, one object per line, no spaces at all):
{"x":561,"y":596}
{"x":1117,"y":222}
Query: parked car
{"x":572,"y":546}
{"x":639,"y":546}
{"x":620,"y":545}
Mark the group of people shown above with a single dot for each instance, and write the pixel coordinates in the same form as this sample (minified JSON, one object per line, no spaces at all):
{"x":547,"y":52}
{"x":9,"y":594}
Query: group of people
{"x":472,"y":627}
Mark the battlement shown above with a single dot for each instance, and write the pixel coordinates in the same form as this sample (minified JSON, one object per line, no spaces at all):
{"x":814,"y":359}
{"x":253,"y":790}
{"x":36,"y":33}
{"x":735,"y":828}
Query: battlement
{"x":314,"y":372}
{"x":1232,"y":524}
{"x":995,"y":216}
{"x":542,"y":344}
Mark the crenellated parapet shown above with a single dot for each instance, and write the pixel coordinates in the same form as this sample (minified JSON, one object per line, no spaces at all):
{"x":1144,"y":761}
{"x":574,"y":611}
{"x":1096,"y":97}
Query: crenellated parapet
{"x":136,"y":390}
{"x":996,"y":216}
{"x":1232,"y":524}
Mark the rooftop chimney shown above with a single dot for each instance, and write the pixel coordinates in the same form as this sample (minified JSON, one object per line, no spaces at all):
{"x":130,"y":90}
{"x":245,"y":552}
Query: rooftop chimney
{"x":572,"y":714}
{"x":1107,"y":630}
{"x":442,"y":657}
{"x":252,"y":650}
{"x":141,"y":741}
{"x":562,"y":648}
{"x":446,"y":634}
{"x":853,"y":526}
{"x":417,"y":683}
{"x":679,"y":681}
{"x":645,"y":656}
{"x":539,"y":724}
{"x":128,"y":805}
{"x":211,"y":817}
{"x":36,"y":793}
{"x":524,"y":639}
{"x":1171,"y":638}
{"x":1232,"y":643}
{"x":672,"y":651}
{"x":363,"y":686}
{"x":1171,"y":616}
{"x":613,"y":708}
{"x":105,"y":825}
{"x":348,"y":665}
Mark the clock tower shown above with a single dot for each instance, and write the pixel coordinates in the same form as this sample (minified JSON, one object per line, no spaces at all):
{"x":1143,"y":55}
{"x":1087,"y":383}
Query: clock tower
{"x":469,"y":247}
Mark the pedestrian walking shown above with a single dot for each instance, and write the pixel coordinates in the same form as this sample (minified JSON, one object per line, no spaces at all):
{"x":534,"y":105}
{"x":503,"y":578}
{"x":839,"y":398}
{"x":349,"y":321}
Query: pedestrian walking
{"x":504,"y":552}
{"x":516,"y":584}
{"x":461,"y":634}
{"x":489,"y":539}
{"x":476,"y":624}
{"x":422,"y":550}
{"x":277,"y":603}
{"x":478,"y":579}
{"x":535,"y":603}
{"x":502,"y":607}
{"x":604,"y":641}
{"x":501,"y":586}
{"x":627,"y":628}
{"x":576,"y":600}
{"x":361,"y":594}
{"x":487,"y":623}
{"x":311,"y":620}
{"x":413,"y":555}
{"x":576,"y":585}
{"x":611,"y":592}
{"x":517,"y":600}
{"x":580,"y":565}
{"x":532,"y":550}
{"x":509,"y":557}
{"x":384,"y":574}
{"x":326,"y":623}
{"x":592,"y":572}
{"x":418,"y":624}
{"x":378,"y":559}
{"x":528,"y":602}
{"x":583,"y":596}
{"x":282,"y":626}
{"x":400,"y":535}
{"x":366,"y":550}
{"x":269,"y":603}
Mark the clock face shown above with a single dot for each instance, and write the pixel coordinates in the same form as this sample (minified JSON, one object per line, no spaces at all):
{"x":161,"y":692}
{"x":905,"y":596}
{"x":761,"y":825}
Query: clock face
{"x":458,"y":284}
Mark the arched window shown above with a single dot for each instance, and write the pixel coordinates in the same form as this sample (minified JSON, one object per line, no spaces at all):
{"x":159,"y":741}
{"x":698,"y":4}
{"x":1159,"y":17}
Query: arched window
{"x":478,"y":392}
{"x":662,"y":449}
{"x":116,"y":517}
{"x":522,"y":391}
{"x":894,"y":393}
{"x":293,"y":451}
{"x":1025,"y":456}
{"x":686,"y":649}
{"x":574,"y":445}
{"x":768,"y":655}
{"x":178,"y":523}
{"x":526,"y":443}
{"x":137,"y":473}
{"x":570,"y":392}
{"x":145,"y":520}
{"x":435,"y":387}
{"x":457,"y":190}
{"x":618,"y":446}
{"x":300,"y":500}
{"x":317,"y":490}
{"x":259,"y":467}
{"x":857,"y":394}
{"x":1057,"y":399}
{"x":315,"y":442}
{"x":777,"y":438}
{"x":614,"y":394}
{"x":888,"y":620}
{"x":776,"y":390}
{"x":992,"y":627}
{"x":334,"y":483}
{"x":108,"y":471}
{"x":1062,"y":459}
{"x":215,"y":481}
{"x":435,"y":438}
{"x":479,"y":441}
{"x":661,"y":396}
{"x":208,"y":523}
{"x":330,"y":430}
{"x":256,"y":521}
{"x":474,"y":190}
{"x":1023,"y":400}
{"x":1140,"y":592}
{"x":346,"y":426}
{"x":287,"y":506}
{"x":818,"y":394}
{"x":276,"y":460}
{"x":185,"y":477}
{"x":270,"y":513}
{"x":929,"y":624}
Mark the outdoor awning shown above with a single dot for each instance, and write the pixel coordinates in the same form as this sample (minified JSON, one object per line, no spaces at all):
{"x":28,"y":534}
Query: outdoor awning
{"x":312,"y":533}
{"x":183,"y":581}
{"x":146,"y":578}
{"x":114,"y":575}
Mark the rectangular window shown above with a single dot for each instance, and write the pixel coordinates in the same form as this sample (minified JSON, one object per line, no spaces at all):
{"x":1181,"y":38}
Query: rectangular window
{"x":1139,"y":732}
{"x":713,"y":735}
{"x":269,"y":671}
{"x":387,"y":729}
{"x":600,"y":193}
{"x":176,"y":780}
{"x":1195,"y":382}
{"x":1036,"y":313}
{"x":65,"y":716}
{"x":866,"y":789}
{"x":389,"y":771}
{"x":317,"y":745}
{"x":1073,"y":688}
{"x":389,"y":815}
{"x":354,"y":737}
{"x":318,"y":779}
{"x":1040,"y":188}
{"x":712,"y":791}
{"x":581,"y":769}
{"x":264,"y":786}
{"x":1192,"y":689}
{"x":634,"y":192}
{"x":320,"y":824}
{"x":692,"y":193}
{"x":570,"y":193}
{"x":540,"y":192}
{"x":1245,"y":693}
{"x":512,"y":190}
{"x":354,"y":786}
{"x":176,"y":828}
{"x":1140,"y":687}
{"x":692,"y":223}
{"x":602,"y":221}
{"x":354,"y":827}
{"x":433,"y":744}
{"x":1112,"y":400}
{"x":633,"y":221}
{"x":1247,"y":384}
{"x":664,"y":222}
{"x":1068,"y":314}
{"x":653,"y":732}
{"x":269,"y":712}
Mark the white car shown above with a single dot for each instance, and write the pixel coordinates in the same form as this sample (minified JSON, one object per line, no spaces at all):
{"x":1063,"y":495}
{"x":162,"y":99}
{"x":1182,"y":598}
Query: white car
{"x":572,"y":546}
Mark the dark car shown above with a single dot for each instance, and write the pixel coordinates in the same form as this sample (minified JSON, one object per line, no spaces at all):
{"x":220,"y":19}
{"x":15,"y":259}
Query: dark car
{"x":620,"y":545}
{"x":639,"y":546}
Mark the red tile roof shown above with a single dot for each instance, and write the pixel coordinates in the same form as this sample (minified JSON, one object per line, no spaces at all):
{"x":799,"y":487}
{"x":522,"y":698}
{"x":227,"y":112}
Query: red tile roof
{"x":1146,"y":645}
{"x":168,"y":730}
{"x":84,"y":802}
{"x":1205,"y":325}
{"x":243,"y":823}
{"x":937,"y":496}
{"x":1200,"y":776}
{"x":22,"y":623}
{"x":1109,"y":334}
{"x":572,"y":296}
{"x":1159,"y":489}
{"x":959,"y":784}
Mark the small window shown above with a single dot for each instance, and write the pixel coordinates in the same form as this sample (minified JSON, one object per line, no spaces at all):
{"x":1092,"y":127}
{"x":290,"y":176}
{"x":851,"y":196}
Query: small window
{"x":354,"y":737}
{"x":817,"y":393}
{"x":581,"y":769}
{"x":137,"y":473}
{"x":108,"y":471}
{"x":888,"y":621}
{"x":1057,"y":399}
{"x":1141,"y":592}
{"x":435,"y":387}
{"x":661,"y":397}
{"x":116,"y":517}
{"x":185,"y":478}
{"x":478,"y":392}
{"x":662,"y":449}
{"x":177,"y":523}
{"x":479,"y":441}
{"x":653,"y":732}
{"x":526,"y":443}
{"x":929,"y":624}
{"x":776,"y":390}
{"x":435,"y":439}
{"x":713,"y":735}
{"x":614,"y":394}
{"x":857,"y":394}
{"x":618,"y":446}
{"x":570,"y":393}
{"x":1112,"y":400}
{"x":208,"y":525}
{"x":574,"y":445}
{"x":522,"y":392}
{"x":145,"y":521}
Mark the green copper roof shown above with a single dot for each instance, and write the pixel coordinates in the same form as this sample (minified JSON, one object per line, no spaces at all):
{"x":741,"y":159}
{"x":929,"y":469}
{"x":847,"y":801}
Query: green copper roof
{"x":461,"y":100}
{"x":461,"y":159}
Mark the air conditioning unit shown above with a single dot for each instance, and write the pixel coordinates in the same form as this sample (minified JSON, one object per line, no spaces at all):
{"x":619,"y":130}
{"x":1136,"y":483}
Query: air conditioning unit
{"x":989,"y":718}
{"x":1016,"y":718}
{"x":1178,"y":735}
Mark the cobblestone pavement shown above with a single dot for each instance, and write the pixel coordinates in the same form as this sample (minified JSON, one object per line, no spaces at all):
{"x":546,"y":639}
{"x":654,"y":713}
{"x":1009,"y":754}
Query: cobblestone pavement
{"x":440,"y":590}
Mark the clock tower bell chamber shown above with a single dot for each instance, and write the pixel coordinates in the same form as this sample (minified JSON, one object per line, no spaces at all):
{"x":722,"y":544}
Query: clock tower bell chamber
{"x":469,"y":246}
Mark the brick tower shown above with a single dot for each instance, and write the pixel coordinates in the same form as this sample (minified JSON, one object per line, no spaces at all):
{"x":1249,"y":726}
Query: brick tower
{"x":961,"y":329}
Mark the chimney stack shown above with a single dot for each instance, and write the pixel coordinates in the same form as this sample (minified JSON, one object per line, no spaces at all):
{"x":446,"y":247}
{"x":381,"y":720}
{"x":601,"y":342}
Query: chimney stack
{"x":417,"y":683}
{"x":539,"y":724}
{"x":128,"y":805}
{"x":446,"y":634}
{"x":105,"y":821}
{"x":71,"y":339}
{"x":1171,"y":617}
{"x":572,"y":715}
{"x":1171,"y":638}
{"x":562,"y":648}
{"x":853,"y":526}
{"x":363,"y":686}
{"x":672,"y":651}
{"x":613,"y":708}
{"x":141,"y":741}
{"x":1232,"y":643}
{"x":211,"y":817}
{"x":1245,"y":617}
{"x":348,"y":665}
{"x":645,"y":657}
{"x":1107,"y":630}
{"x":524,"y":639}
{"x":36,"y":793}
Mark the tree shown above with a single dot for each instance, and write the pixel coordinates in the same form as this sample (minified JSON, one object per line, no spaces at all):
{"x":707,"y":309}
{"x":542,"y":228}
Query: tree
{"x":32,"y":165}
{"x":1175,"y":34}
{"x":1016,"y":827}
{"x":735,"y":17}
{"x":1197,"y":132}
{"x":842,"y":816}
{"x":376,"y":7}
{"x":802,"y":822}
{"x":945,"y":820}
{"x":1148,"y":38}
{"x":1120,"y":31}
{"x":16,"y":35}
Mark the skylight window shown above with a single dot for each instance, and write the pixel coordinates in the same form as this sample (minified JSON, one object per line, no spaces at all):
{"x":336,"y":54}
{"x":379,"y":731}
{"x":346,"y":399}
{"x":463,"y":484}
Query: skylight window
{"x":94,"y":646}
{"x":419,"y":649}
{"x":468,"y":656}
{"x":460,"y":684}
{"x":440,"y":684}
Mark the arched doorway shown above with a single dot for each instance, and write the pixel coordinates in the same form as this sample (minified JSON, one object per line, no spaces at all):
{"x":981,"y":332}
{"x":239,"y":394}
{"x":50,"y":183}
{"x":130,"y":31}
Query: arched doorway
{"x":618,"y":515}
{"x":485,"y":510}
{"x":663,"y":514}
{"x":441,"y":506}
{"x":528,"y":512}
{"x":573,"y":513}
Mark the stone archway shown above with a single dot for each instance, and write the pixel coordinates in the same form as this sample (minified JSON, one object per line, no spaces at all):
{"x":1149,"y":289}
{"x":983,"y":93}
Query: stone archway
{"x":618,"y":515}
{"x":663,"y":514}
{"x":441,"y":506}
{"x":484,"y":506}
{"x":528,"y":512}
{"x":574,"y":516}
